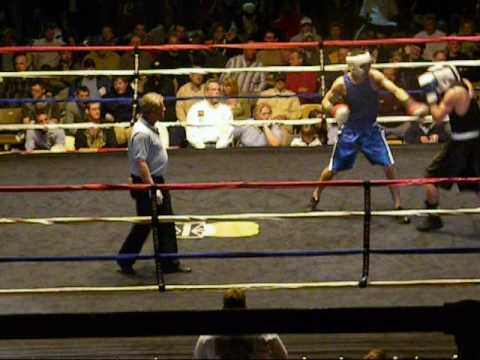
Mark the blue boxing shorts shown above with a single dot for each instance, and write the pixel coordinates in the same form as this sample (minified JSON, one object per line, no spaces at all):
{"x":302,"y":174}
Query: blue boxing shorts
{"x":371,"y":142}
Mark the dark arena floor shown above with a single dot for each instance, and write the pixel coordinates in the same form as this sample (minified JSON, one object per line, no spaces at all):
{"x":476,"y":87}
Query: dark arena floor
{"x":292,"y":164}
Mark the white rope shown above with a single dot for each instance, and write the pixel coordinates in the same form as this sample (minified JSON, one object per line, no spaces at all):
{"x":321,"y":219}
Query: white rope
{"x":187,"y":71}
{"x":244,"y":286}
{"x":248,"y":122}
{"x":233,"y":217}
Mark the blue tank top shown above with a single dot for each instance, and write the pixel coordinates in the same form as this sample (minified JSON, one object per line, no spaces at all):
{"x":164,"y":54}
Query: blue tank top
{"x":363,"y":102}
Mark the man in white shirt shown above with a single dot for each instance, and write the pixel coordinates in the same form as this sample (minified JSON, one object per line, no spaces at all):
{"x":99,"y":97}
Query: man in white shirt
{"x":209,"y":121}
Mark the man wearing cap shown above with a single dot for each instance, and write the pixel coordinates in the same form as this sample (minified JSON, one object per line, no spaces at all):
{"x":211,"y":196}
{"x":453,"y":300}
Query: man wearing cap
{"x":307,"y":31}
{"x":448,"y":94}
{"x":353,"y":102}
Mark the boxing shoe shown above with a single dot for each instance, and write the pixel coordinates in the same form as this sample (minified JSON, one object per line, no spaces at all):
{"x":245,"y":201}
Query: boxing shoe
{"x":312,"y":205}
{"x":431,"y":222}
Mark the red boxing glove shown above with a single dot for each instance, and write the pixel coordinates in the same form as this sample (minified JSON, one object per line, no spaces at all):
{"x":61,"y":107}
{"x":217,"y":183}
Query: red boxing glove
{"x":415,"y":108}
{"x":341,"y":113}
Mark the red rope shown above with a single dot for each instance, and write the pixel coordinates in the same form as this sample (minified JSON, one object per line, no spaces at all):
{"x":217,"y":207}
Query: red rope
{"x":277,"y":45}
{"x":236,"y":185}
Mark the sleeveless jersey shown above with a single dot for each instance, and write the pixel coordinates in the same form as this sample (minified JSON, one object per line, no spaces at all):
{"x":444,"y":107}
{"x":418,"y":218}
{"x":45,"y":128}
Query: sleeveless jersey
{"x":363,"y":102}
{"x":468,"y":122}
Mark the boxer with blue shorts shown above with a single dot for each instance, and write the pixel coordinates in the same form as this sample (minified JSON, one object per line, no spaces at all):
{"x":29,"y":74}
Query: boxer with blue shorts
{"x":356,"y":97}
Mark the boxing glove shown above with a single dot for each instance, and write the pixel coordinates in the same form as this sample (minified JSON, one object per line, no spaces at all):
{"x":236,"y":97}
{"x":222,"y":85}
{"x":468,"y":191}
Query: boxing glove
{"x":415,"y":108}
{"x":341,"y":113}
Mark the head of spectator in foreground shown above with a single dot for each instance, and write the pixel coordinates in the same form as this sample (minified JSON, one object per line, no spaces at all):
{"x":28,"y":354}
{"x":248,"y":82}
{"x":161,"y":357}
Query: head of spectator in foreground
{"x":94,"y":112}
{"x":196,"y":79}
{"x":263,"y":111}
{"x":212,"y":91}
{"x":41,"y":117}
{"x":120,"y":85}
{"x":306,"y":25}
{"x":280,"y":79}
{"x":234,"y":299}
{"x":250,"y":54}
{"x":440,"y":55}
{"x":152,"y":107}
{"x":430,"y":23}
{"x":230,"y":86}
{"x":296,"y":58}
{"x":20,"y":62}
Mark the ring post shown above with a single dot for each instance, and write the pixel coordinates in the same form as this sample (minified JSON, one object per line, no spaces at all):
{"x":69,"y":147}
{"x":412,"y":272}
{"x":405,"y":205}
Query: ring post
{"x":136,"y":76}
{"x":366,"y":233}
{"x":156,"y":241}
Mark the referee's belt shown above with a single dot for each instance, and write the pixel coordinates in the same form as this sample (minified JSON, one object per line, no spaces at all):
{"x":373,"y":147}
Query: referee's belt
{"x":467,"y":135}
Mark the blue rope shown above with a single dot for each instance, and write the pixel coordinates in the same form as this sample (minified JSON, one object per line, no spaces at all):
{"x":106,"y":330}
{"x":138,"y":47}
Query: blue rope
{"x":245,"y":254}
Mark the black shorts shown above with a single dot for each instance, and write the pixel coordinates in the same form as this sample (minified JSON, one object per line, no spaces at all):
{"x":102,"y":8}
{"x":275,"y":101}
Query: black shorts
{"x":457,"y":159}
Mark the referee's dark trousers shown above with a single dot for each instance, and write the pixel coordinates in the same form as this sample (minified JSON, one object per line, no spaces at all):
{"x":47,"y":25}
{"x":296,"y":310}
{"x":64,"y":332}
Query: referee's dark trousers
{"x":139,"y":232}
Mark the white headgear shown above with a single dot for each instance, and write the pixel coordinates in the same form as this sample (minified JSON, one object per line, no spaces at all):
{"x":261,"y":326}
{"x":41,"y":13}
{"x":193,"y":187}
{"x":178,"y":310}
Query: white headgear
{"x":437,"y":80}
{"x":355,"y":62}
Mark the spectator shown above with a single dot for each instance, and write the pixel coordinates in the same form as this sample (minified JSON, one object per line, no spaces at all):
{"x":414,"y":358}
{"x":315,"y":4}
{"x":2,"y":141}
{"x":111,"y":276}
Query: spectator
{"x":63,"y":84}
{"x":173,"y":60}
{"x":209,"y":121}
{"x":107,"y":37}
{"x":249,"y":83}
{"x":467,"y":28}
{"x":307,"y":137}
{"x":271,"y":57}
{"x":119,"y":108}
{"x":127,"y":60}
{"x":240,"y":107}
{"x":246,"y":25}
{"x":50,"y":39}
{"x":301,"y":83}
{"x":265,"y":135}
{"x":261,"y":346}
{"x":326,"y":133}
{"x":17,"y":87}
{"x":75,"y":110}
{"x":283,"y":102}
{"x":194,"y":88}
{"x":95,"y":137}
{"x":98,"y":86}
{"x":307,"y":31}
{"x":440,"y":55}
{"x":104,"y":59}
{"x":426,"y":133}
{"x":217,"y":57}
{"x":44,"y":139}
{"x":41,"y":102}
{"x":430,"y":31}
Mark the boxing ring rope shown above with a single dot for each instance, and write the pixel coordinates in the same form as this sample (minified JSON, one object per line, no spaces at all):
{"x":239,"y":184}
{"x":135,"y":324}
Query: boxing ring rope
{"x":366,"y":251}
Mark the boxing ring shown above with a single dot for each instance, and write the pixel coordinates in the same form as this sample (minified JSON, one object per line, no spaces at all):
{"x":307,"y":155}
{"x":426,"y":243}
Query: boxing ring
{"x":59,"y":246}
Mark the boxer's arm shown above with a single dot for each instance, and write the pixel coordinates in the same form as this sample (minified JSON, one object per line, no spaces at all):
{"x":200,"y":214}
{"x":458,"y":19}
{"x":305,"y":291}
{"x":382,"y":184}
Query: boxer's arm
{"x":443,"y":108}
{"x":337,"y":91}
{"x":386,"y":84}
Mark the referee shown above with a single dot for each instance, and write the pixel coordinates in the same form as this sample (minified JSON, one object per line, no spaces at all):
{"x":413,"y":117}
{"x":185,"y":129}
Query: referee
{"x":147,"y":163}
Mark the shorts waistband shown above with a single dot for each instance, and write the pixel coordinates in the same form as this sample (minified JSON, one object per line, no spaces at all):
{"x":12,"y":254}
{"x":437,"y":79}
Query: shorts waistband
{"x":467,"y":135}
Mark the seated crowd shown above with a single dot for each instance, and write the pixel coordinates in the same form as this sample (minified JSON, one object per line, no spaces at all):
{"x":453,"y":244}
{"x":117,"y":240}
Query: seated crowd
{"x":216,"y":99}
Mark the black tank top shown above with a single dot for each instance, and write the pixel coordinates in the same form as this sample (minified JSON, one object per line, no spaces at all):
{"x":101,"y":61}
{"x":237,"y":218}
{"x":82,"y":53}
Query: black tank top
{"x":468,"y":122}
